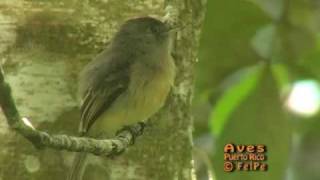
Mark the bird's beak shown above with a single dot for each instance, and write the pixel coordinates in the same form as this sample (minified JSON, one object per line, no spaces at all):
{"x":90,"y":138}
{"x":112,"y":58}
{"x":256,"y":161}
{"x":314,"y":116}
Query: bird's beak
{"x":173,"y":28}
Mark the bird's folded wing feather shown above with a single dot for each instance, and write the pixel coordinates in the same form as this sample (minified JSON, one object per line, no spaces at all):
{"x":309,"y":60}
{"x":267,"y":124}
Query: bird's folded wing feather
{"x":102,"y":89}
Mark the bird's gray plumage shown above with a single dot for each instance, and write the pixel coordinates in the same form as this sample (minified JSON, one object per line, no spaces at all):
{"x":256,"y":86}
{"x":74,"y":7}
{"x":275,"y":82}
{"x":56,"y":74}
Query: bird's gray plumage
{"x":126,"y":83}
{"x":99,"y":89}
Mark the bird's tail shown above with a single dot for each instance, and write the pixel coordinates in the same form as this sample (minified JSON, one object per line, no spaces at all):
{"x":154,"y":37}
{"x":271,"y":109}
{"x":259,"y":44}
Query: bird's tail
{"x":77,"y":168}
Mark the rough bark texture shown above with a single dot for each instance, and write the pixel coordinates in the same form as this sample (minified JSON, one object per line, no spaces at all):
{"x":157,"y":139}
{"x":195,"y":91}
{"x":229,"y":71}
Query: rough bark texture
{"x":46,"y":45}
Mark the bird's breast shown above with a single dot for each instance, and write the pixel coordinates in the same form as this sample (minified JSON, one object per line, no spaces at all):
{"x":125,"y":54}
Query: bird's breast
{"x":149,"y":88}
{"x":147,"y":92}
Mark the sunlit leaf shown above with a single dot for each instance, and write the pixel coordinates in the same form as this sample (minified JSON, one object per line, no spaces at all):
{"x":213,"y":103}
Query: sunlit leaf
{"x":232,"y":97}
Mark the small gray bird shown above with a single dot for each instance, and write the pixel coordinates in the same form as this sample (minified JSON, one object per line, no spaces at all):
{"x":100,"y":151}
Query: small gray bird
{"x":127,"y":83}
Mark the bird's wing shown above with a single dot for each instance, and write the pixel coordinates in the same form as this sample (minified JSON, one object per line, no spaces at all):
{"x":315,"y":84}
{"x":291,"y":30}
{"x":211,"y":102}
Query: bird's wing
{"x":102,"y":90}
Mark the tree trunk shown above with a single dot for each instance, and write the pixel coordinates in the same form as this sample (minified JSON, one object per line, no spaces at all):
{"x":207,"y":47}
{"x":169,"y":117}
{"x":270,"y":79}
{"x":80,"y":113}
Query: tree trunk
{"x":47,"y":47}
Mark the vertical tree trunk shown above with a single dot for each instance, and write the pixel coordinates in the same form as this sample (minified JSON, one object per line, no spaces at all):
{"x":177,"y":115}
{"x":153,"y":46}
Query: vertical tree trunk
{"x":42,"y":70}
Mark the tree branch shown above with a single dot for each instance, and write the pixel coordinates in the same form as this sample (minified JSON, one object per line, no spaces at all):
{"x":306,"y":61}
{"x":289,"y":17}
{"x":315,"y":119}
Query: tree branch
{"x":39,"y":139}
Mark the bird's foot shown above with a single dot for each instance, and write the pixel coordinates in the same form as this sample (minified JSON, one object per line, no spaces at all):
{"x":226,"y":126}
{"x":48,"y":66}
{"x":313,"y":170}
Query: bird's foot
{"x":135,"y":130}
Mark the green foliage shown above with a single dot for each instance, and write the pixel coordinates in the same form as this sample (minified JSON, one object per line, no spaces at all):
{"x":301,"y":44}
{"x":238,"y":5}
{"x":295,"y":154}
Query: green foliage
{"x":259,"y":119}
{"x":248,"y":105}
{"x":225,"y":45}
{"x":263,"y":41}
{"x":311,"y":62}
{"x":281,"y":74}
{"x":233,"y":97}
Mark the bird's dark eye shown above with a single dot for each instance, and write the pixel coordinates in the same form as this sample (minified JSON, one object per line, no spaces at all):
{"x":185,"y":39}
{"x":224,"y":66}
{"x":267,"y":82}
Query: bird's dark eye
{"x":154,"y":30}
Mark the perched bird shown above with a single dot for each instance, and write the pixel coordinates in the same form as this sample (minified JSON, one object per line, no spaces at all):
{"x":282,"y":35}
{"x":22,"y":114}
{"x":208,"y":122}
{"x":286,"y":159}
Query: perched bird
{"x":127,"y":83}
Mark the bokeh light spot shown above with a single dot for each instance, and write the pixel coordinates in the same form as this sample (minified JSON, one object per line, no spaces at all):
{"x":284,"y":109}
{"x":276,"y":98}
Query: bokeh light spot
{"x":304,"y":98}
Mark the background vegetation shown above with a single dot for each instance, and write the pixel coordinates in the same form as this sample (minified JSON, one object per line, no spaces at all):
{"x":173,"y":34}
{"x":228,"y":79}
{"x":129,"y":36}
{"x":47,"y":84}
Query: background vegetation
{"x":258,"y":82}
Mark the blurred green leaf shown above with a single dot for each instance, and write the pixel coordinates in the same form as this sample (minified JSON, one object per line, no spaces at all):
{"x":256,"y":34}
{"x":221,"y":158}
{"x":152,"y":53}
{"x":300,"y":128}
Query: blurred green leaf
{"x":263,"y":40}
{"x":225,"y":45}
{"x":308,"y":147}
{"x":311,"y":62}
{"x":274,"y":8}
{"x":259,"y":119}
{"x":281,"y":75}
{"x":304,"y":14}
{"x":233,"y":96}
